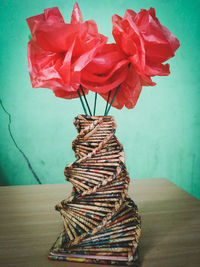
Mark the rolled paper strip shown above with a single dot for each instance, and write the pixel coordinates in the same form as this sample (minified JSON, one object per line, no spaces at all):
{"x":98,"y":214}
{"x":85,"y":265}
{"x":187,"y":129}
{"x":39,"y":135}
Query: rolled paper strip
{"x":100,"y":221}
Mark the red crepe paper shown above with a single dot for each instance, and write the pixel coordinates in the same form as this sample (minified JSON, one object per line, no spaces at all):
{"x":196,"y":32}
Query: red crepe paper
{"x":58,"y":51}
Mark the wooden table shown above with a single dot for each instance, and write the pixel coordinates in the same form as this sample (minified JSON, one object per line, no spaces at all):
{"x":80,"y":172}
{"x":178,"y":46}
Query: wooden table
{"x":170,"y":224}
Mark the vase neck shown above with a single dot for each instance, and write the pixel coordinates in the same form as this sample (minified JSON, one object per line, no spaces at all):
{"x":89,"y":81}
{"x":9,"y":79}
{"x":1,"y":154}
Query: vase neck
{"x":82,"y":122}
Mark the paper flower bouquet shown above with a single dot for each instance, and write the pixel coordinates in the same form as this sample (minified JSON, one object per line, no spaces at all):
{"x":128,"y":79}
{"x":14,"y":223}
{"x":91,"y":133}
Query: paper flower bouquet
{"x":101,"y":223}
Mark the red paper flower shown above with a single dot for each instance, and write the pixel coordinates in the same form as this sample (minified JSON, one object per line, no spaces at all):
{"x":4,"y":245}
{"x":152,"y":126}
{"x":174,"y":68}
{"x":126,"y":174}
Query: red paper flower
{"x":106,"y":70}
{"x":59,"y":51}
{"x":109,"y":69}
{"x":145,"y":42}
{"x":62,"y":56}
{"x":128,"y":92}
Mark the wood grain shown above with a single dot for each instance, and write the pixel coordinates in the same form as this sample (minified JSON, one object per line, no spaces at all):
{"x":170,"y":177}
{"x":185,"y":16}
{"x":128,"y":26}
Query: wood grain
{"x":170,"y":224}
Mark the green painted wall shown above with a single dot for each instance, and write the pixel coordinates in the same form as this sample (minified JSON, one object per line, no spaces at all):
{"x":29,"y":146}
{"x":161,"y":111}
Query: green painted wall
{"x":160,"y":136}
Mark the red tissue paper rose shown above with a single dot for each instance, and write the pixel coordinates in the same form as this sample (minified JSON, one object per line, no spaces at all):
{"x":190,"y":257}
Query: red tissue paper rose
{"x":58,"y":51}
{"x":145,"y":45}
{"x":112,"y":68}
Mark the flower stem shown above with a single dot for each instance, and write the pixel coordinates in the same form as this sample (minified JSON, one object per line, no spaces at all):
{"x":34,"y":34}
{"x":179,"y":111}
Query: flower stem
{"x":95,"y":103}
{"x":107,"y":102}
{"x":112,"y":100}
{"x":85,"y":100}
{"x":82,"y":102}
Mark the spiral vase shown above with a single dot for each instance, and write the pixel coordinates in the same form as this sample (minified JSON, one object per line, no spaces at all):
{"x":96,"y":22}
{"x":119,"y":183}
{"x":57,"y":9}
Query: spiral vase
{"x":101,"y":223}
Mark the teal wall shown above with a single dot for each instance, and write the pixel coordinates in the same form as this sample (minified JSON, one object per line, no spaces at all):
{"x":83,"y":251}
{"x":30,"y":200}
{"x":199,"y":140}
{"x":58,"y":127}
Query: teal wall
{"x":160,"y":136}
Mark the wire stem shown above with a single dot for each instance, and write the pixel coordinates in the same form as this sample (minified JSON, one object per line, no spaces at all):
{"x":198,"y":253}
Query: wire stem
{"x":107,"y":102}
{"x":85,"y":100}
{"x":82,"y":102}
{"x":95,"y":103}
{"x":112,"y":100}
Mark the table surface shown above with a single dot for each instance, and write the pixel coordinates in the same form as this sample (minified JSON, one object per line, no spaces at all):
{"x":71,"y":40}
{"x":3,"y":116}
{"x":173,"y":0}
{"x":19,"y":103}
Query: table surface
{"x":170,"y":224}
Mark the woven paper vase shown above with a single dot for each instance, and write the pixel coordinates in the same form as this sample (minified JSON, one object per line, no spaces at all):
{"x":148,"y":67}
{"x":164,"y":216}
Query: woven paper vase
{"x":101,"y":223}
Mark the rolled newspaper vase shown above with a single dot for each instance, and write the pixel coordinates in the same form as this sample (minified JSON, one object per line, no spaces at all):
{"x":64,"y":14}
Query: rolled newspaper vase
{"x":101,"y":223}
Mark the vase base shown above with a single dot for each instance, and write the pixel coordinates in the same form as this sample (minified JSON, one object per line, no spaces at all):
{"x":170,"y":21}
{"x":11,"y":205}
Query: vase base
{"x":115,"y":244}
{"x":114,"y":260}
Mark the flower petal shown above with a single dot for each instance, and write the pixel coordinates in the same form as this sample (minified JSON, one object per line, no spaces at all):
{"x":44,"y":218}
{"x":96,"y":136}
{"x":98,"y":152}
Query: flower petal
{"x":76,"y":16}
{"x":128,"y":93}
{"x":42,"y":66}
{"x":87,"y":57}
{"x":47,"y":70}
{"x":153,"y":69}
{"x":50,"y":15}
{"x":160,"y":43}
{"x":106,"y":71}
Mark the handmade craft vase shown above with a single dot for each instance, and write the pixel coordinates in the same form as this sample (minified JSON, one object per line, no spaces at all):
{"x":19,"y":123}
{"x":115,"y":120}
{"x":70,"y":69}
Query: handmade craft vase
{"x":101,"y":223}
